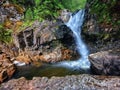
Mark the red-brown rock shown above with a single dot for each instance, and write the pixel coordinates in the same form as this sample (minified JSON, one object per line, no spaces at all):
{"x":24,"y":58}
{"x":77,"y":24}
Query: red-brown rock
{"x":7,"y":69}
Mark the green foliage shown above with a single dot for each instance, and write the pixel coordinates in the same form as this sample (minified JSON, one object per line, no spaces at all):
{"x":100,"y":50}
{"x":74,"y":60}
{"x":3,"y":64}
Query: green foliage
{"x":5,"y":35}
{"x":73,"y":5}
{"x":103,"y":10}
{"x":46,"y":9}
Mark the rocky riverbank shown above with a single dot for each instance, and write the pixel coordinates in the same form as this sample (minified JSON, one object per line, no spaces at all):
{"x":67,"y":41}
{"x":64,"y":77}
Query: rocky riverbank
{"x":74,"y":82}
{"x":7,"y":68}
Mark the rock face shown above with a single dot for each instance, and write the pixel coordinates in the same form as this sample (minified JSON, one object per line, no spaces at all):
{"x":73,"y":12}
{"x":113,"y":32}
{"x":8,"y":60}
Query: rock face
{"x":105,"y":62}
{"x":80,"y":82}
{"x":100,"y":35}
{"x":47,"y":41}
{"x":7,"y":68}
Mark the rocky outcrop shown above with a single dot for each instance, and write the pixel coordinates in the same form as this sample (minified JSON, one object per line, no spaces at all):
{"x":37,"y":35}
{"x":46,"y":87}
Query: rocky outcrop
{"x":47,"y":41}
{"x":80,"y":82}
{"x":101,"y":35}
{"x":7,"y":68}
{"x":105,"y":62}
{"x":102,"y":38}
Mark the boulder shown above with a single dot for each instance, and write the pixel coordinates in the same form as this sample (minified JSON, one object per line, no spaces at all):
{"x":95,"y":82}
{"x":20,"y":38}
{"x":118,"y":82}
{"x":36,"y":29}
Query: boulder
{"x":105,"y":62}
{"x":26,"y":59}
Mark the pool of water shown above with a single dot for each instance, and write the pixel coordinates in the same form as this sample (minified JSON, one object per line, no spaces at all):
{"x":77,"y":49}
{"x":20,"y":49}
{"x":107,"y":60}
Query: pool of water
{"x":46,"y":70}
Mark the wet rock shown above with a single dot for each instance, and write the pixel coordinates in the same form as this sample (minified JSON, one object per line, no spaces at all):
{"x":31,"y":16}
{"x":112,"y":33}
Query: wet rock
{"x":52,"y":57}
{"x":80,"y":82}
{"x":47,"y":41}
{"x":105,"y":62}
{"x":23,"y":57}
{"x":26,"y":59}
{"x":58,"y":54}
{"x":7,"y":68}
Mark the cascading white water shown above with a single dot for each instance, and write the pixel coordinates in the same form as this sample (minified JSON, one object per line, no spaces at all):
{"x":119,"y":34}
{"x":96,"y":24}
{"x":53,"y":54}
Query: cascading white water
{"x":75,"y":23}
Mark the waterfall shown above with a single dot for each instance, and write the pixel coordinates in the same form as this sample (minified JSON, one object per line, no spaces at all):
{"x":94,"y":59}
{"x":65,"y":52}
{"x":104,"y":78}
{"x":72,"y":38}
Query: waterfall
{"x":75,"y":24}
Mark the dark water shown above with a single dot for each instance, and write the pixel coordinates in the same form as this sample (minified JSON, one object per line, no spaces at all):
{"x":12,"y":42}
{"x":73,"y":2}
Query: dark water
{"x":46,"y":70}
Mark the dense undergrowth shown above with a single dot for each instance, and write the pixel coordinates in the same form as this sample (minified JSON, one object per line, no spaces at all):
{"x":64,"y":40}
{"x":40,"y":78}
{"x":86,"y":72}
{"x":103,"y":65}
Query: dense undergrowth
{"x":107,"y":11}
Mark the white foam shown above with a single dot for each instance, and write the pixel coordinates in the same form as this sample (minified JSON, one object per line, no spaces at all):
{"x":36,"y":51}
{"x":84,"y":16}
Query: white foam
{"x":75,"y":24}
{"x":18,"y":63}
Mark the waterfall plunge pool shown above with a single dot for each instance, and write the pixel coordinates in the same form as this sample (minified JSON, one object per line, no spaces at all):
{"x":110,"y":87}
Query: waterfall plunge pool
{"x":47,"y":70}
{"x":63,"y":68}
